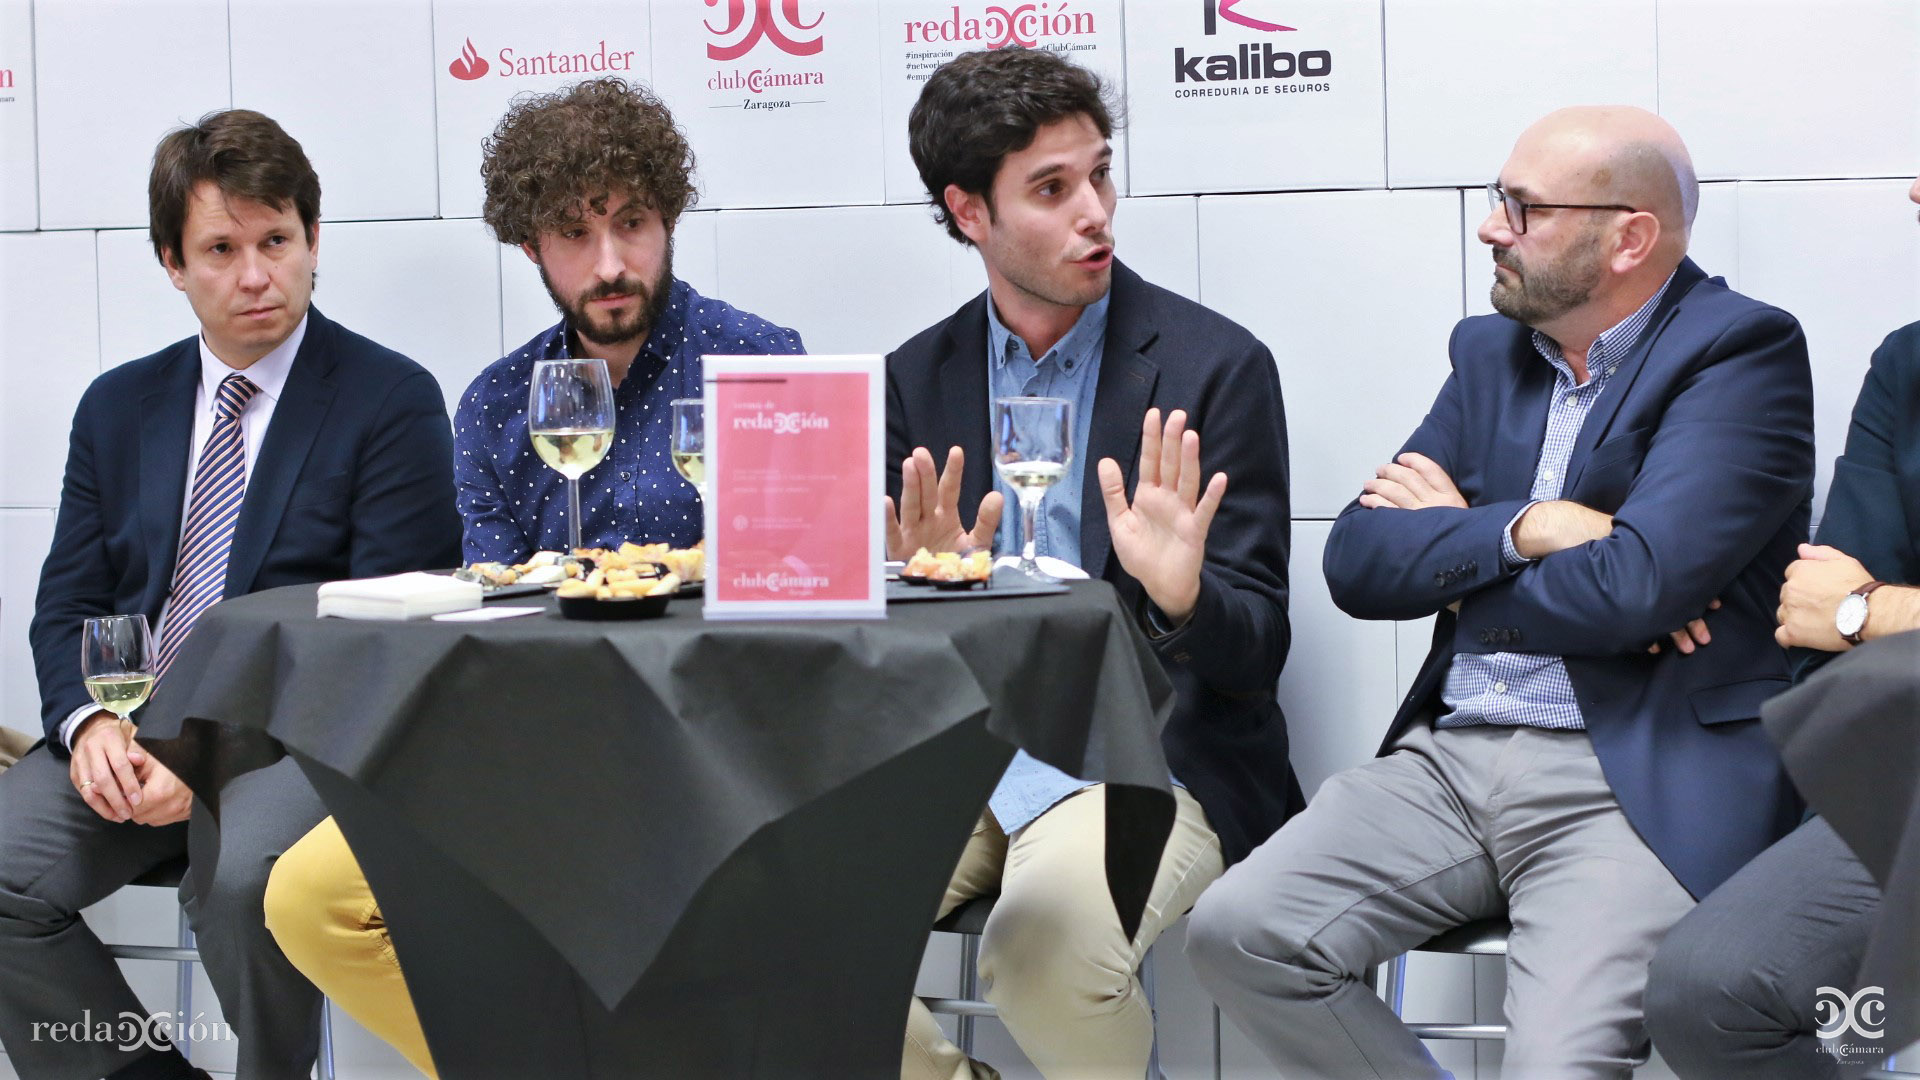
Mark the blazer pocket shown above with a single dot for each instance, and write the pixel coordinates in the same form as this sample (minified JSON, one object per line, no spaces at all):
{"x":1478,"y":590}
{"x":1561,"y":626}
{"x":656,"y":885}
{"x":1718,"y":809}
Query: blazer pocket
{"x":314,"y":492}
{"x":1610,"y":470}
{"x":1735,"y":701}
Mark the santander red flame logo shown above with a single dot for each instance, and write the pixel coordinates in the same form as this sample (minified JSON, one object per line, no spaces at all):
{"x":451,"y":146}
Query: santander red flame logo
{"x":470,"y":64}
{"x":780,"y":25}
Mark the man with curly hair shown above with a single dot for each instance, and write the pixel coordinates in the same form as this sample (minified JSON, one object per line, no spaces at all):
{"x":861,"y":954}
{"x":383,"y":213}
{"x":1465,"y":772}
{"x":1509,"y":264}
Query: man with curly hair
{"x":589,"y":182}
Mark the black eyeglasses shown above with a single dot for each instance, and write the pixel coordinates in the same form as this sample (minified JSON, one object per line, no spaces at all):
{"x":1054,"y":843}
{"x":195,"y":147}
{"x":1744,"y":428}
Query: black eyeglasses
{"x":1497,"y":197}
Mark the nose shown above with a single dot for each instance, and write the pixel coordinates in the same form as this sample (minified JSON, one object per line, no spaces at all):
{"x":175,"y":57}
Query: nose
{"x":1914,"y":192}
{"x":1094,"y":217}
{"x":253,"y":270}
{"x":607,"y":263}
{"x":1495,"y":230}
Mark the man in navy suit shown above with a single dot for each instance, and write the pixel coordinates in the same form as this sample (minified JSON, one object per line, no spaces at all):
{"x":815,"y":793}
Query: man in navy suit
{"x":1744,"y":985}
{"x":274,"y":448}
{"x":1624,"y":444}
{"x":1012,"y":146}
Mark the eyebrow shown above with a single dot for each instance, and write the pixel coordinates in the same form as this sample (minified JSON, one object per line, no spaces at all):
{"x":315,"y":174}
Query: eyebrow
{"x":1520,"y":191}
{"x":1105,"y":157}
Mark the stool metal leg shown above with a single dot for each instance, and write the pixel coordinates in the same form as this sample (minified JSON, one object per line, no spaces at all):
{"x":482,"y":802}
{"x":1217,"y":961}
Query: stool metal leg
{"x":183,"y":991}
{"x":1146,"y":987}
{"x":1393,"y":990}
{"x":969,"y":989}
{"x":326,"y":1040}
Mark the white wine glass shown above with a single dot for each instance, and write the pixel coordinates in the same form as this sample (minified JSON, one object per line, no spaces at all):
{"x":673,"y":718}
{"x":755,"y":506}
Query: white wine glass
{"x":570,"y":419}
{"x":116,"y":662}
{"x":1032,"y":447}
{"x":689,"y":448}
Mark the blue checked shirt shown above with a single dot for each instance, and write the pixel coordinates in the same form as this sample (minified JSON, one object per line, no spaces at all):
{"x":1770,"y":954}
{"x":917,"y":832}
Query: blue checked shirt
{"x":512,"y":504}
{"x":1533,"y":689}
{"x":1071,"y":370}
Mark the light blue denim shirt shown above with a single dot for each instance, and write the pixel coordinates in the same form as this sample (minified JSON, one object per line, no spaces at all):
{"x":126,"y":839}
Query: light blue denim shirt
{"x":1070,"y":370}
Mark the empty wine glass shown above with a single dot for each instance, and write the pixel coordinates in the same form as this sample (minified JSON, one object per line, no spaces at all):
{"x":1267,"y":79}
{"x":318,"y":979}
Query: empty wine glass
{"x":570,"y":418}
{"x":1033,"y":444}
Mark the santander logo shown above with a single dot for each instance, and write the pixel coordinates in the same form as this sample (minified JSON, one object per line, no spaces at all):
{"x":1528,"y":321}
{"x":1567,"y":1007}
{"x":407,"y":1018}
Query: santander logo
{"x":777,"y":21}
{"x":469,"y":65}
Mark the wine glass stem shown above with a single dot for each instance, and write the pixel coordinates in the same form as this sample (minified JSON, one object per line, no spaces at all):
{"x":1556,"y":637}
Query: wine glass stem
{"x":573,"y":514}
{"x":1029,"y":519}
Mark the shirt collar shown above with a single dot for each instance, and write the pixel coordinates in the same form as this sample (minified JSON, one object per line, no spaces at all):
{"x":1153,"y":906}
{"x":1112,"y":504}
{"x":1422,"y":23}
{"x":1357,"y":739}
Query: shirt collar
{"x":269,"y":373}
{"x":1613,"y":344}
{"x":1088,"y":331}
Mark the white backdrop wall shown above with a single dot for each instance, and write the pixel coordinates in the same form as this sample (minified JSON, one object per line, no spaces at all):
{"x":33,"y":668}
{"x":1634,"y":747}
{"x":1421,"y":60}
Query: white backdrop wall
{"x":1318,"y":184}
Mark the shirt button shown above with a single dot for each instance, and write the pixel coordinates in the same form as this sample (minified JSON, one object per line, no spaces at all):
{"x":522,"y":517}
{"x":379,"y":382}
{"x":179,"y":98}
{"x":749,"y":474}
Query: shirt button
{"x":626,"y":476}
{"x":1546,"y":474}
{"x":1499,"y":688}
{"x":1570,"y":399}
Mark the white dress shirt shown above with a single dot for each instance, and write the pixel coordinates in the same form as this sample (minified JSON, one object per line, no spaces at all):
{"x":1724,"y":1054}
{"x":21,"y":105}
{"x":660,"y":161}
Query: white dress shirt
{"x":269,"y":373}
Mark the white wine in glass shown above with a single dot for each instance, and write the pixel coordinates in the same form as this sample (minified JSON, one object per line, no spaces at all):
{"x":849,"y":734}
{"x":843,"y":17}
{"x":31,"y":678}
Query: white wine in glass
{"x":570,"y":419}
{"x":1033,"y":445}
{"x":116,"y":662}
{"x":690,"y":442}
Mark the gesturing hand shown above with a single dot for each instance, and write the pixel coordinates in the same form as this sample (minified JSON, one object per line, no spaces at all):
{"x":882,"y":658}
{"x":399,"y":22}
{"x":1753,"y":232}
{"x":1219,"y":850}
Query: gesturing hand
{"x":1411,"y":482}
{"x":1161,"y":537}
{"x":929,"y":512}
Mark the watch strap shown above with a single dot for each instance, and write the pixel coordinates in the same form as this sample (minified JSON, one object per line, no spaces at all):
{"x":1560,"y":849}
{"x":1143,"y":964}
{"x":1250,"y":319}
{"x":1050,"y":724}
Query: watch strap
{"x":1863,"y":592}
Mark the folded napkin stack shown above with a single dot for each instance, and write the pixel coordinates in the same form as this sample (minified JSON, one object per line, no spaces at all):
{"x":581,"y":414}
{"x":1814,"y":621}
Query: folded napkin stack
{"x":400,"y":596}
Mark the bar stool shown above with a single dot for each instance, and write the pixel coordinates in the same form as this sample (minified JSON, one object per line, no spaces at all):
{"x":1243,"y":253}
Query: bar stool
{"x":1483,"y":937}
{"x":168,"y":876}
{"x":968,"y":920}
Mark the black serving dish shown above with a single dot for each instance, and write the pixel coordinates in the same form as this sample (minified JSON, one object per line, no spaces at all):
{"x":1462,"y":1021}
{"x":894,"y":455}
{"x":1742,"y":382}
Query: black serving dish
{"x":593,"y":610}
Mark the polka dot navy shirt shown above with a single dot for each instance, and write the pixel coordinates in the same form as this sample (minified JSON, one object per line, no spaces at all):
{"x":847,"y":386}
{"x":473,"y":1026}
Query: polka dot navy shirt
{"x":513,"y":504}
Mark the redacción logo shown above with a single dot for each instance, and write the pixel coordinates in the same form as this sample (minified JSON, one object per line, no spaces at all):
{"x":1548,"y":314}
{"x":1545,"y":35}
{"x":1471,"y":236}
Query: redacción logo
{"x":1213,"y":10}
{"x":776,"y":20}
{"x":469,"y":64}
{"x":1026,"y":25}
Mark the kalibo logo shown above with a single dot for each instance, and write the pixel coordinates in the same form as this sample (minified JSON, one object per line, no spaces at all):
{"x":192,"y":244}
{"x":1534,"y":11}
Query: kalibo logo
{"x":469,"y":65}
{"x":776,"y":20}
{"x":1213,"y":10}
{"x":1838,"y":1012}
{"x":1026,"y":25}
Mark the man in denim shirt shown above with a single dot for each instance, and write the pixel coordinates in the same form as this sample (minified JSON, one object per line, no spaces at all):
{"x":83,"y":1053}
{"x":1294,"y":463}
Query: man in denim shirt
{"x":1012,"y":146}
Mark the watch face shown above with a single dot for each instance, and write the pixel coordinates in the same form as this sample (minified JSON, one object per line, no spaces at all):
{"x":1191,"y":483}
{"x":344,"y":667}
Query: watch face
{"x":1851,"y":615}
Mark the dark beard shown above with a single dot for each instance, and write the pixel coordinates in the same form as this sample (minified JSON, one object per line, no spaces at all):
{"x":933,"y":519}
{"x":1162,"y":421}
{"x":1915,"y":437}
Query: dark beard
{"x":1546,"y":293}
{"x":636,"y":328}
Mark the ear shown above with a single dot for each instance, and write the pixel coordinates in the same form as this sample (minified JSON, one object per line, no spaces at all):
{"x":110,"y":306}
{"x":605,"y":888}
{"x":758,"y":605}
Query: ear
{"x":533,"y":253}
{"x":1635,"y":242}
{"x":176,"y":271}
{"x":971,"y":214}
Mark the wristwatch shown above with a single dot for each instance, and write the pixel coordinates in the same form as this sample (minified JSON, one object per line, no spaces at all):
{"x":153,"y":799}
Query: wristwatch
{"x":1850,"y":618}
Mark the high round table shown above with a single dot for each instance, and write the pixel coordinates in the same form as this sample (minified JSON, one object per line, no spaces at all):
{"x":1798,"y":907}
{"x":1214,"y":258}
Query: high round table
{"x":672,"y":848}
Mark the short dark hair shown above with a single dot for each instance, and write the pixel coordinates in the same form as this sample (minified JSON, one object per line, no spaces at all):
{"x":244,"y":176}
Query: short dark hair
{"x":553,"y":153}
{"x":246,"y":154}
{"x":981,"y":106}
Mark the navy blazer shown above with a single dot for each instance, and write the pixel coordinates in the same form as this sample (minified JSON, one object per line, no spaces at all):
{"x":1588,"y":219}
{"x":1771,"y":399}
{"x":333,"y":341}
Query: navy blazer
{"x":1873,"y":506}
{"x":1701,"y":448}
{"x":354,"y":479}
{"x":1227,"y":738}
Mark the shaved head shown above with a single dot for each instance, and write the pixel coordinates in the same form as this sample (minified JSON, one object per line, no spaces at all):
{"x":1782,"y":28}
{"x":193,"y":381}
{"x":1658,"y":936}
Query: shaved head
{"x":1621,"y":154}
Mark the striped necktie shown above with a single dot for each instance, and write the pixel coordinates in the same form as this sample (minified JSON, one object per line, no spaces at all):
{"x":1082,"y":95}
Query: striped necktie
{"x":219,"y":485}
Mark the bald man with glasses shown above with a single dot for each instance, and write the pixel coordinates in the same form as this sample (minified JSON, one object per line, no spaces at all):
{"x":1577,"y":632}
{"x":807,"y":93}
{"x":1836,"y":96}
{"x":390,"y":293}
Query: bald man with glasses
{"x":1616,"y":472}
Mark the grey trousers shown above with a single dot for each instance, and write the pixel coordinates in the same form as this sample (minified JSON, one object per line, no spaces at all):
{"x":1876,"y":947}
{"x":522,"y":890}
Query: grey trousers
{"x":57,"y":857}
{"x":1454,"y":825}
{"x":1736,"y":987}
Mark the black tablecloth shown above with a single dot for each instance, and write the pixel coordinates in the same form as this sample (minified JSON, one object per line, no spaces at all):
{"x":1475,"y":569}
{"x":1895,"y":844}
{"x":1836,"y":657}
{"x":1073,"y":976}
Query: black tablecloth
{"x":652,"y":801}
{"x":1850,"y":736}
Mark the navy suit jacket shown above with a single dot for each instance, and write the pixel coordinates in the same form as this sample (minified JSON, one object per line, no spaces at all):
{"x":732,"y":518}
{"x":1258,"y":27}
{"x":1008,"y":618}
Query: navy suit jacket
{"x":1227,"y":738}
{"x":1873,"y":507}
{"x":354,"y":479}
{"x":1701,"y":448}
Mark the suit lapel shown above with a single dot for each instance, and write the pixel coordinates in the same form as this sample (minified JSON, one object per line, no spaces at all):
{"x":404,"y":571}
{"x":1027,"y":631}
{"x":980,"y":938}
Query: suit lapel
{"x":1120,"y":401}
{"x":297,"y":416}
{"x":166,"y":438}
{"x":960,"y":418}
{"x":1595,"y":428}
